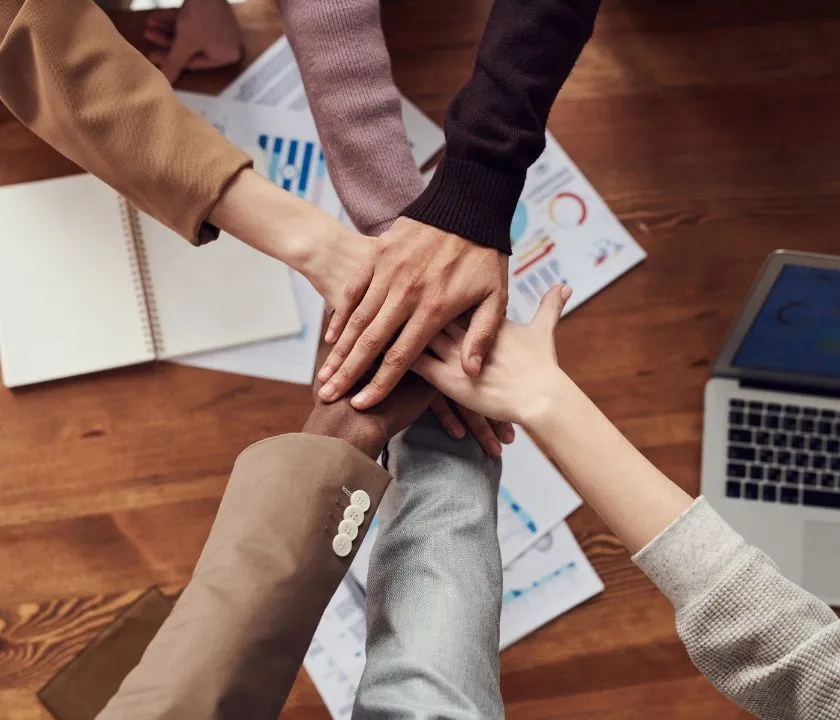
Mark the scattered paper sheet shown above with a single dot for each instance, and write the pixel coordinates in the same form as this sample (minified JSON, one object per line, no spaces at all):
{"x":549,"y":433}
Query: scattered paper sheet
{"x":533,"y":498}
{"x":563,"y":231}
{"x":548,"y":580}
{"x":289,"y":360}
{"x":273,"y":80}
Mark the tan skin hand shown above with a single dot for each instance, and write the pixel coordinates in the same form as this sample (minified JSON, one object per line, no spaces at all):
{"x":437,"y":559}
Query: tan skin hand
{"x":201,"y":35}
{"x":423,"y":278}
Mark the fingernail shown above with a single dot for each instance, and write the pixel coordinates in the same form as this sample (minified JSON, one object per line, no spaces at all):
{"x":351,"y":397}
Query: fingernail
{"x":330,"y":336}
{"x":324,"y":373}
{"x":457,"y":432}
{"x":475,"y":363}
{"x":327,"y":393}
{"x":495,"y":449}
{"x":508,"y":436}
{"x":566,"y":292}
{"x":361,"y":400}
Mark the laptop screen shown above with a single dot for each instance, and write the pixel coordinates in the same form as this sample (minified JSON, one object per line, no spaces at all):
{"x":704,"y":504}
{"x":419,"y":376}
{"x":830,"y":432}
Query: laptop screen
{"x":797,"y":330}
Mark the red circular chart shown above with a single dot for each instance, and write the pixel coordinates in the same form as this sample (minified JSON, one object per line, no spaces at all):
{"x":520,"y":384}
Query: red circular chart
{"x":567,"y":209}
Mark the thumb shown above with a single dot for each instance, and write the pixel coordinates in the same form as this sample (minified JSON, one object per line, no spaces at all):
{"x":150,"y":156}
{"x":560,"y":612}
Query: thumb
{"x":551,"y":307}
{"x":482,"y":332}
{"x":183,"y":50}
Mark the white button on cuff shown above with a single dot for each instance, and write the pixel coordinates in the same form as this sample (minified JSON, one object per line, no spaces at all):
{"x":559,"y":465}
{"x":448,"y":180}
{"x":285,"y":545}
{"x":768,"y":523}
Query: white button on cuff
{"x":351,"y":512}
{"x":348,"y":528}
{"x":361,"y":500}
{"x":342,"y":545}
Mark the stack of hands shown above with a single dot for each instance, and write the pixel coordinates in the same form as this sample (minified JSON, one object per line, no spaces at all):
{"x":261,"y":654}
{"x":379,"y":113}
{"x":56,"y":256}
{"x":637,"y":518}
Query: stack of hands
{"x":391,"y":296}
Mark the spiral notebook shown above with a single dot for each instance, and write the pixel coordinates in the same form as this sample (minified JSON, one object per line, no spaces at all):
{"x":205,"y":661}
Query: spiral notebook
{"x":89,"y":283}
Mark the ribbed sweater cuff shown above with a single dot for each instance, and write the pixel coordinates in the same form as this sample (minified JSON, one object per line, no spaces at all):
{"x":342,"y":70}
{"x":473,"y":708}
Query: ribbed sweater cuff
{"x":471,"y":200}
{"x":692,"y":554}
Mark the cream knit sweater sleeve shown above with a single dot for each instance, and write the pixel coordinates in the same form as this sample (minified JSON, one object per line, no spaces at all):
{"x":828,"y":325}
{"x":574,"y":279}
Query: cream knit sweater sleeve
{"x":764,"y":642}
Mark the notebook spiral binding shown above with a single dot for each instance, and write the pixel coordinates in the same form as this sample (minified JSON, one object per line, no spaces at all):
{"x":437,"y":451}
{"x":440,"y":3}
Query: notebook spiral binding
{"x":141,"y":277}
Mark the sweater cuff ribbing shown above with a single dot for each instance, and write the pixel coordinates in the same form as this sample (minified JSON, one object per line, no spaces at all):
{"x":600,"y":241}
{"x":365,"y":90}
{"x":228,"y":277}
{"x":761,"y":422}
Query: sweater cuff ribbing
{"x":471,"y":200}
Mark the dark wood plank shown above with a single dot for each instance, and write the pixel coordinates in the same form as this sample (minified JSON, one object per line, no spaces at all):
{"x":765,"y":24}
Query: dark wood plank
{"x":709,"y":128}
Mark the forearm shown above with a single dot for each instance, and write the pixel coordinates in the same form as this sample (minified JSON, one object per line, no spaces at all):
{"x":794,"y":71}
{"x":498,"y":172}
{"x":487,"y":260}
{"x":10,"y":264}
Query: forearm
{"x":346,"y":71}
{"x":66,"y":73}
{"x":278,"y":223}
{"x":622,"y":486}
{"x":237,"y":636}
{"x":765,"y":643}
{"x":495,"y":126}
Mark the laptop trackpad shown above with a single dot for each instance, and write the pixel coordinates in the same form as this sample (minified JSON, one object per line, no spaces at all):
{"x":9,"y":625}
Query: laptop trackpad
{"x":822,"y":547}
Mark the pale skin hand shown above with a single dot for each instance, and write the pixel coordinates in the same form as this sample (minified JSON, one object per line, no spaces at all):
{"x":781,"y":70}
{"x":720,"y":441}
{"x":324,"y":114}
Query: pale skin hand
{"x":421,"y":279}
{"x":522,"y":382}
{"x":201,"y":35}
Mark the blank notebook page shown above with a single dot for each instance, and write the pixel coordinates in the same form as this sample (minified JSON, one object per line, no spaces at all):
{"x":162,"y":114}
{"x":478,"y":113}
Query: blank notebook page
{"x":221,"y":294}
{"x":68,"y":299}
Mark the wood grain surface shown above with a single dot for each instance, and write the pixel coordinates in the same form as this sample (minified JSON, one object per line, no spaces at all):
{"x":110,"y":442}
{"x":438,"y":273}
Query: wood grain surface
{"x":711,"y":129}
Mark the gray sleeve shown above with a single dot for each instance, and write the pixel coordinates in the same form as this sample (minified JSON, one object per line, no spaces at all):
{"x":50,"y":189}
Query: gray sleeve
{"x":434,"y":584}
{"x":764,"y":642}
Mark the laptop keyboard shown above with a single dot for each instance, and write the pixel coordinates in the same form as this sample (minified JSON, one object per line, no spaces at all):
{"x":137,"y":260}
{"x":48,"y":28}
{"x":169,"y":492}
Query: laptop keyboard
{"x":783,"y":453}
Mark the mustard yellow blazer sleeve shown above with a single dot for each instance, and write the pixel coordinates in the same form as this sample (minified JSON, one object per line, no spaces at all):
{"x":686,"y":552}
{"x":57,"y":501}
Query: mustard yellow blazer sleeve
{"x":69,"y":76}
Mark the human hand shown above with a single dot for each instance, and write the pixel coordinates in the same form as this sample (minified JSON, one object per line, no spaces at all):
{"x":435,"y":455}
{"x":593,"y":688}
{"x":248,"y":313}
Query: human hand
{"x":512,"y":384}
{"x":422,"y":278}
{"x":200,"y":35}
{"x":369,"y":431}
{"x":489,"y":433}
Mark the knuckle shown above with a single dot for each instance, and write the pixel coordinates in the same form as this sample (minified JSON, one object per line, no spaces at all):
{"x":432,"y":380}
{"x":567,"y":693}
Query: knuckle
{"x":414,"y":284}
{"x":338,"y":355}
{"x":359,"y":321}
{"x":352,"y":292}
{"x":396,"y":358}
{"x":369,"y":342}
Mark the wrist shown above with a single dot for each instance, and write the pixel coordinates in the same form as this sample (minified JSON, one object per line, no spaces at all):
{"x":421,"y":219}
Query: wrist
{"x":362,"y":432}
{"x":266,"y":217}
{"x":556,"y":404}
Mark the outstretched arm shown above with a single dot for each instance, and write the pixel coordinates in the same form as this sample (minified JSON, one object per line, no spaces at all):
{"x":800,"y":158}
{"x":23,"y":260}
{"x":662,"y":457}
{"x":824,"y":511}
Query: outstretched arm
{"x":761,"y":640}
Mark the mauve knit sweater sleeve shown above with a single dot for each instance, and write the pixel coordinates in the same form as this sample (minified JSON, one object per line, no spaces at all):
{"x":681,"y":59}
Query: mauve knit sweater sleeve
{"x":346,"y":70}
{"x":495,"y":126}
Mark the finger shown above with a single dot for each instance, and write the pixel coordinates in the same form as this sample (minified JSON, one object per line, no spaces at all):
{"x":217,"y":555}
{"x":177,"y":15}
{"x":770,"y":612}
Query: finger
{"x":354,"y":293}
{"x":551,"y":308}
{"x":482,"y":431}
{"x":362,"y":316}
{"x":481,"y":334}
{"x":176,"y":60}
{"x":414,"y":338}
{"x":504,"y":431}
{"x":448,"y":419}
{"x":456,"y":332}
{"x":367,"y":348}
{"x":158,"y":57}
{"x":165,"y":19}
{"x":443,"y":346}
{"x":158,"y":37}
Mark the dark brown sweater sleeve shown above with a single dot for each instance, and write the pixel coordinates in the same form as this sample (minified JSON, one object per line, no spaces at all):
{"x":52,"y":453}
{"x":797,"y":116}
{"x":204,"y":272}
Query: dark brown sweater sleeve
{"x":68,"y":75}
{"x":495,"y":126}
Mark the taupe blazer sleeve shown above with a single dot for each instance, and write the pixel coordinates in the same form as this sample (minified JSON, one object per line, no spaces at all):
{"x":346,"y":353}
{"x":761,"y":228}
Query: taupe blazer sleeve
{"x":68,"y":75}
{"x":237,"y":636}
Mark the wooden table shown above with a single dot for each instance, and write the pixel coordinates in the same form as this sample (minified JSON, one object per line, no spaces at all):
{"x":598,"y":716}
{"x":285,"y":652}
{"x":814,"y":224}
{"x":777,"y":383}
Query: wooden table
{"x":712,"y":131}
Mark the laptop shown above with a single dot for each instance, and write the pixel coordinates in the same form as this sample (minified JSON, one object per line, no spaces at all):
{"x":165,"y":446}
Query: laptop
{"x":771,"y":429}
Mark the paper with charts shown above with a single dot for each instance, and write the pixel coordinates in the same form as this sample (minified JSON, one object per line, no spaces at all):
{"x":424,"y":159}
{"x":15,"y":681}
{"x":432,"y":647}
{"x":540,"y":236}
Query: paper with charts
{"x":563,"y":232}
{"x":548,"y":580}
{"x":533,"y":498}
